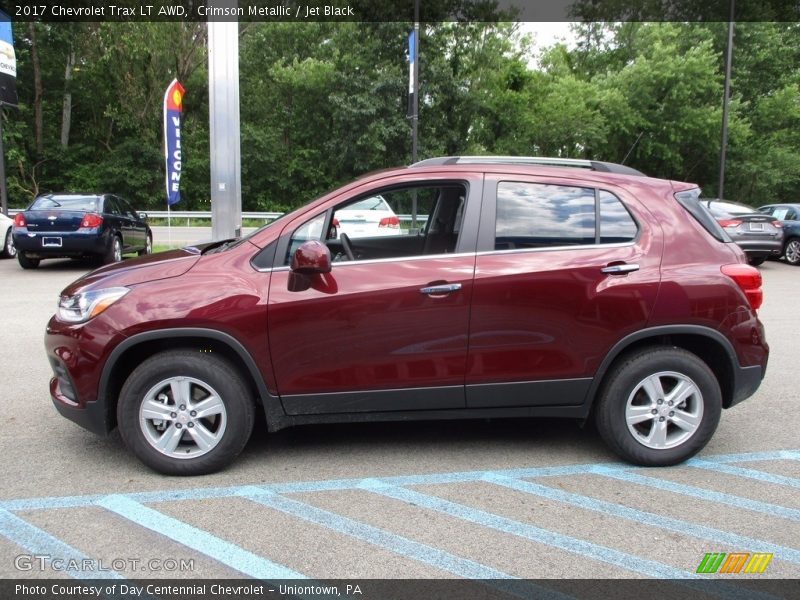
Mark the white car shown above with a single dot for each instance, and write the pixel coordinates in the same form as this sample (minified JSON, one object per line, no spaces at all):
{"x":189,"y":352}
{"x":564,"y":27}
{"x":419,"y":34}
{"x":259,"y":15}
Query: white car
{"x":8,"y":250}
{"x":371,"y":217}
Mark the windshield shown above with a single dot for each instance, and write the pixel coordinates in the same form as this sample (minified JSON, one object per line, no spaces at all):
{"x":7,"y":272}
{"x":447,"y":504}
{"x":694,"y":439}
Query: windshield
{"x":84,"y":203}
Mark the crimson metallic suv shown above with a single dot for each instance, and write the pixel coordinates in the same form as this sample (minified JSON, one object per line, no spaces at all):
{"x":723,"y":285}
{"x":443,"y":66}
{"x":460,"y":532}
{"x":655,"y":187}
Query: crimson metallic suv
{"x":517,"y":287}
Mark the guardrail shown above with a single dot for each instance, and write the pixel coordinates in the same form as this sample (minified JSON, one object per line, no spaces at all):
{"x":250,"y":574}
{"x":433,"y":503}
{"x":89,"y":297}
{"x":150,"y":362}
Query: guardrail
{"x":206,"y":214}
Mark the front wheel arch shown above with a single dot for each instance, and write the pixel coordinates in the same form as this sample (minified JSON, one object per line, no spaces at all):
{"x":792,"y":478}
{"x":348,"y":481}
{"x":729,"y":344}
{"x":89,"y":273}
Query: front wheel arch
{"x":137,"y":348}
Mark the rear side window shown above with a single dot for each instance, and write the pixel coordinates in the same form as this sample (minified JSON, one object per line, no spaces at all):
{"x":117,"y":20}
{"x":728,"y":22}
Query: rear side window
{"x":689,"y":201}
{"x":532,"y":215}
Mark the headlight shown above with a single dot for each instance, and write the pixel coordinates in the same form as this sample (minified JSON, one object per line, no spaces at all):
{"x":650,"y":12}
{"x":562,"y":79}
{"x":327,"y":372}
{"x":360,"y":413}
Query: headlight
{"x":85,"y":305}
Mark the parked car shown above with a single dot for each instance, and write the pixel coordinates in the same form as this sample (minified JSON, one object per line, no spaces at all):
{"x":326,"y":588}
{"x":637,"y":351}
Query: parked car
{"x":759,"y":235}
{"x":103,"y":226}
{"x":8,"y":249}
{"x":531,"y":291}
{"x":789,"y":216}
{"x":370,"y":217}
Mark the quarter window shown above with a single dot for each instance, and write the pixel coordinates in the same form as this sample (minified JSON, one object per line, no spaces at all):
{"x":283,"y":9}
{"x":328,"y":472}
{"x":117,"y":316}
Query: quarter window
{"x":616,"y":223}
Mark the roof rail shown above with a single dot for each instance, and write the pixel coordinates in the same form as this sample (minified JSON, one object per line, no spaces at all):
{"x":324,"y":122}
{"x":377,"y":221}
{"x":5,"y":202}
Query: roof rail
{"x":594,"y":165}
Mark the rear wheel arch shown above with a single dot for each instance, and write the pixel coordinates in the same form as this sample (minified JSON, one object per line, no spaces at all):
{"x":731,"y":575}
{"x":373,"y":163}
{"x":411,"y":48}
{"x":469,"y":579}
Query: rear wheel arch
{"x":707,"y":344}
{"x":135,"y":349}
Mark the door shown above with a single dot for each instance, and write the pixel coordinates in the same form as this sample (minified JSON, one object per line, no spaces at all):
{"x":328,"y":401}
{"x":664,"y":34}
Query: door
{"x":377,"y":334}
{"x":138,"y":228}
{"x":555,"y":287}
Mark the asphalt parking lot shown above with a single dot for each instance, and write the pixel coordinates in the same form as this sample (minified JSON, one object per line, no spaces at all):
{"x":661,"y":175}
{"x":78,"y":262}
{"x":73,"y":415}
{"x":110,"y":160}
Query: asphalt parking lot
{"x":485,"y":500}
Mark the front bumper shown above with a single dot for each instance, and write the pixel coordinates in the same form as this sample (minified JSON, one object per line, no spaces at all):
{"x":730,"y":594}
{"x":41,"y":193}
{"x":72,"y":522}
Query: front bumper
{"x":93,"y":416}
{"x":77,"y":354}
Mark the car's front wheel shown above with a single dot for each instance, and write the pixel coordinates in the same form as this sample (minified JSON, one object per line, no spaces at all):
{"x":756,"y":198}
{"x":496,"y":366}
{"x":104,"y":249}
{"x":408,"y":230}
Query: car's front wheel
{"x":185,"y":412}
{"x":25,"y":262}
{"x":9,"y":249}
{"x":791,"y":251}
{"x":659,"y":406}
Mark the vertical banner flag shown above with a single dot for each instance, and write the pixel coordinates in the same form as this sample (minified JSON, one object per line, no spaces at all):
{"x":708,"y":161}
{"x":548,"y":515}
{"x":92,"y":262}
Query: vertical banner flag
{"x":411,"y":82}
{"x":173,"y":107}
{"x":8,"y":63}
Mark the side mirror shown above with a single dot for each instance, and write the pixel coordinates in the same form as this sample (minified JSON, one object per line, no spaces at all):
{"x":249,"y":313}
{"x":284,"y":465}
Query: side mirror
{"x":142,"y":216}
{"x":311,"y":257}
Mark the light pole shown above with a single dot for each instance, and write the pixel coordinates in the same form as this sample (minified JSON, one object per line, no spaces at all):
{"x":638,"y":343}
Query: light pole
{"x":726,"y":96}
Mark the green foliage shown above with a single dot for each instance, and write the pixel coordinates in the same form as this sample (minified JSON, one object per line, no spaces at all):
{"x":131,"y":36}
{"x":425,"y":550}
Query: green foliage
{"x":322,"y":103}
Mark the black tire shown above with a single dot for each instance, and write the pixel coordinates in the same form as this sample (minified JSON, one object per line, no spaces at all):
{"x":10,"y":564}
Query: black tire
{"x":9,"y":250}
{"x":148,"y":247}
{"x":791,"y":251}
{"x":211,"y":372}
{"x":114,"y":251}
{"x":625,"y":392}
{"x":755,"y":262}
{"x":27,"y":263}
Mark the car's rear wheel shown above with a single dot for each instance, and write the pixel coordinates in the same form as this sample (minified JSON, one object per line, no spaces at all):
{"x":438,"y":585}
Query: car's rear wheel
{"x":25,"y":262}
{"x":148,"y":246}
{"x":659,"y":406}
{"x":114,"y":252}
{"x":185,"y":412}
{"x":791,"y":251}
{"x":9,"y":249}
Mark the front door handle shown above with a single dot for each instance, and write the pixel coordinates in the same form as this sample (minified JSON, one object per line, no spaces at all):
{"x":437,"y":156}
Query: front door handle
{"x":447,"y":288}
{"x":620,"y":269}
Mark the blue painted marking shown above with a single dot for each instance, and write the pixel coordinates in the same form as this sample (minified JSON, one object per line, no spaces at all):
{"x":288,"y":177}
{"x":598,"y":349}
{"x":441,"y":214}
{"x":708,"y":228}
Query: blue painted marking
{"x":586,"y":549}
{"x":753,"y":456}
{"x":702,"y":493}
{"x":344,"y":484}
{"x":742,"y":472}
{"x":39,"y":542}
{"x":664,"y":522}
{"x":201,"y":541}
{"x":408,"y":548}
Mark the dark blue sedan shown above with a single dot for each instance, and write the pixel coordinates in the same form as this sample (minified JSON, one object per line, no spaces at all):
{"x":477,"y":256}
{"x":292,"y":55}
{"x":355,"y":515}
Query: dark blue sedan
{"x":101,"y":226}
{"x":789,"y":216}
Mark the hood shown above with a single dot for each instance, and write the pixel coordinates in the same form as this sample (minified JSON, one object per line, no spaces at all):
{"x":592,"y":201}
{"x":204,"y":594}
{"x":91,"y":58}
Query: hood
{"x":139,"y":270}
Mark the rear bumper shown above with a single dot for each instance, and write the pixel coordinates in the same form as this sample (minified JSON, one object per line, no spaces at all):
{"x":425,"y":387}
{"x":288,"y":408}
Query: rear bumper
{"x":748,"y":380}
{"x":73,"y":243}
{"x":761,"y":248}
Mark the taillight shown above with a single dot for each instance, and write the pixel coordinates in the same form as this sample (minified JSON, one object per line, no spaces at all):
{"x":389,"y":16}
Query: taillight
{"x":749,"y":280}
{"x":91,"y":220}
{"x":19,"y":220}
{"x":392,"y":222}
{"x":777,"y":224}
{"x":730,"y":222}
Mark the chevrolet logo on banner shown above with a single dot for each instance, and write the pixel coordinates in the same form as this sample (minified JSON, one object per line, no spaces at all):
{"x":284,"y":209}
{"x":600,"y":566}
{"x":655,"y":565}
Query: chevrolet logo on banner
{"x":734,"y":563}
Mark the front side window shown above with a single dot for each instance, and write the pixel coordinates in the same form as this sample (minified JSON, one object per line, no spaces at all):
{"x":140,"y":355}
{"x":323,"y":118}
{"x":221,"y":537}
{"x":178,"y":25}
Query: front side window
{"x":310,"y":230}
{"x":534,"y":215}
{"x":380,"y":225}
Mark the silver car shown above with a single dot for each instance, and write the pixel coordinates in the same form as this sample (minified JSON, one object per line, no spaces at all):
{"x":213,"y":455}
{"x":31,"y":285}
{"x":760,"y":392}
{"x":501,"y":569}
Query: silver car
{"x":759,"y":235}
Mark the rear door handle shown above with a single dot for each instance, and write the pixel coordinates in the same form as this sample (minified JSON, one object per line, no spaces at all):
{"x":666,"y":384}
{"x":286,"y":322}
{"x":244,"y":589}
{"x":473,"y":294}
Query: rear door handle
{"x":446,"y":288}
{"x":619,"y":269}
